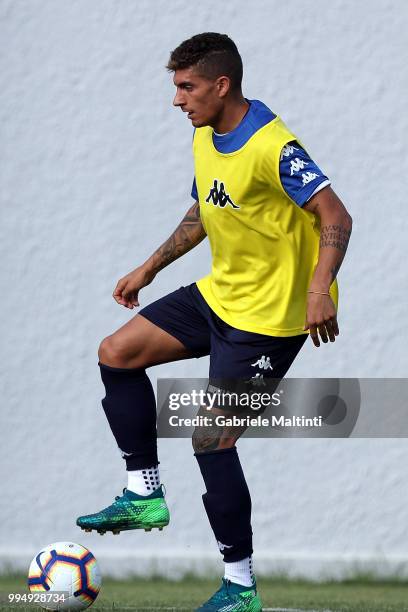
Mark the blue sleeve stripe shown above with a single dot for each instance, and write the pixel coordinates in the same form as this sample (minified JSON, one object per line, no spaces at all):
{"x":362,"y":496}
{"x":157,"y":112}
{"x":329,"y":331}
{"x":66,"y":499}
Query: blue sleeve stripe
{"x":299,"y":174}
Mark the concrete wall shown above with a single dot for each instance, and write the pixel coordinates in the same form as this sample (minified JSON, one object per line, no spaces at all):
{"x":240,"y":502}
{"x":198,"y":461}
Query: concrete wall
{"x":95,"y":172}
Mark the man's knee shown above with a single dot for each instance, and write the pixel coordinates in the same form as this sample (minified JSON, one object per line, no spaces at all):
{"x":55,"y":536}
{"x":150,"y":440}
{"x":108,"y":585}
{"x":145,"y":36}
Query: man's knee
{"x":109,"y":351}
{"x":116,"y":353}
{"x":211,"y":438}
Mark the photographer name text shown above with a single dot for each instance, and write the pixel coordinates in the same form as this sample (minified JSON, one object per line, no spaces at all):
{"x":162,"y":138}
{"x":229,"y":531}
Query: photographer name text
{"x":245,"y":421}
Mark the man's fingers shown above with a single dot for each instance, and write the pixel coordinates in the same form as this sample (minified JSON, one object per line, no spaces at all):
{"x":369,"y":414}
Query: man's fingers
{"x":313,"y":335}
{"x":121,"y":296}
{"x":327,"y":331}
{"x":330,"y":331}
{"x":120,"y":285}
{"x":118,"y":291}
{"x":131,"y":297}
{"x":124,"y":295}
{"x":323,"y":333}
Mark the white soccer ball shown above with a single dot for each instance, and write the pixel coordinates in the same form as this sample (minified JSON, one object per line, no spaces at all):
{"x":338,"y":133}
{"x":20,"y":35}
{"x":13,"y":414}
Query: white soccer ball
{"x":64,"y":567}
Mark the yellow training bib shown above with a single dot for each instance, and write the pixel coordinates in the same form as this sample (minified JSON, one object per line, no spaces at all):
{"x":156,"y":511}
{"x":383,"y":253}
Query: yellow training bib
{"x":264,"y":246}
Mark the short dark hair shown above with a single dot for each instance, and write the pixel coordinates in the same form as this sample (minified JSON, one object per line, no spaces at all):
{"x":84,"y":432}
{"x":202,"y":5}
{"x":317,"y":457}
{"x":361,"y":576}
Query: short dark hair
{"x":212,"y":54}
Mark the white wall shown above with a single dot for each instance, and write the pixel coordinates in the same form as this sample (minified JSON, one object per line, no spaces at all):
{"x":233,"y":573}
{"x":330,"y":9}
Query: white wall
{"x":95,"y":172}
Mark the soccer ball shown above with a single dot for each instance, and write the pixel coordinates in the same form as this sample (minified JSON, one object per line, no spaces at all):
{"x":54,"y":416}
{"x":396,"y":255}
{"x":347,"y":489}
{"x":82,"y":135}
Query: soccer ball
{"x":64,"y":567}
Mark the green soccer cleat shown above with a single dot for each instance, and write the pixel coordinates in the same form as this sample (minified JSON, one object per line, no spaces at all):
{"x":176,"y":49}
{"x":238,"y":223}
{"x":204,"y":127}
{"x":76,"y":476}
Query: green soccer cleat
{"x":130,"y":511}
{"x":233,"y":597}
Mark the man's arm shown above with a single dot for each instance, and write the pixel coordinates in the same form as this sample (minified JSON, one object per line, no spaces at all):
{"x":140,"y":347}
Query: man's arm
{"x":185,"y":237}
{"x":335,"y":230}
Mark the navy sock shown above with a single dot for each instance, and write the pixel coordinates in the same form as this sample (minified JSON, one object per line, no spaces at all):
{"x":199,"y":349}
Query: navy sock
{"x":227,"y":502}
{"x":130,"y":408}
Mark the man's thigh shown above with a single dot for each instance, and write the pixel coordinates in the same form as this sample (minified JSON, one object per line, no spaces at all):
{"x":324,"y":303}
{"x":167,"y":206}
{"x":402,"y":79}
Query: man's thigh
{"x":179,"y":314}
{"x":238,"y":354}
{"x":141,"y":344}
{"x":169,"y":329}
{"x":241,"y":363}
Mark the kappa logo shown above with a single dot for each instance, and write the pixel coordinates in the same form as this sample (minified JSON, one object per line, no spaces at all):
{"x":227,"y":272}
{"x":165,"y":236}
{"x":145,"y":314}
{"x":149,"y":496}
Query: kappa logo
{"x":263,"y":363}
{"x":257,"y":380}
{"x":296,"y":165}
{"x":309,"y":176}
{"x":287,"y":150}
{"x":219,"y":196}
{"x":222,"y":546}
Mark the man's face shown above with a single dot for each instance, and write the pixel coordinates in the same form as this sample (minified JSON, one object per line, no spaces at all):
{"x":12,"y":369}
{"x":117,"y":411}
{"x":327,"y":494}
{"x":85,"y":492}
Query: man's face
{"x":198,"y":96}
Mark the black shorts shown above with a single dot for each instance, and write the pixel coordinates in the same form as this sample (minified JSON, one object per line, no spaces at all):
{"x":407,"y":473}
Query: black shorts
{"x":234,"y":354}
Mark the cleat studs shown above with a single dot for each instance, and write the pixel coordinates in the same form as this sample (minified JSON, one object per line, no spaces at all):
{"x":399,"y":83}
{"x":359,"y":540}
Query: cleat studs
{"x":115,"y":531}
{"x":88,"y":530}
{"x":160,"y":528}
{"x":148,"y":528}
{"x":101,"y":532}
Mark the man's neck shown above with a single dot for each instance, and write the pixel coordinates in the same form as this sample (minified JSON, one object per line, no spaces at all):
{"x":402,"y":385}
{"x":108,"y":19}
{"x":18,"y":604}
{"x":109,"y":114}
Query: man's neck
{"x":231,"y":117}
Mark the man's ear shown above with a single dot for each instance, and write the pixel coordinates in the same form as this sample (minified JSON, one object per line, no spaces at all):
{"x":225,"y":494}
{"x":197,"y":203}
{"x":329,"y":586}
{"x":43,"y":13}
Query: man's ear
{"x":223,"y":85}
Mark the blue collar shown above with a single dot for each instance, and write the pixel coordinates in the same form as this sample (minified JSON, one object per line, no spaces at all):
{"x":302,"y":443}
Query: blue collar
{"x":256,"y":117}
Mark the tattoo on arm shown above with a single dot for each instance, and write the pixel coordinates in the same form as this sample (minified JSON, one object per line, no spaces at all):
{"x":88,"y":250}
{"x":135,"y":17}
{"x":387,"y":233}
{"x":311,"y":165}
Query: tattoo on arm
{"x":187,"y":235}
{"x":335,"y":236}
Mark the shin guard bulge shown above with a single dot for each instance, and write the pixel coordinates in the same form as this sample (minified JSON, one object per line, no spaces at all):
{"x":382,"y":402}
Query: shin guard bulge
{"x":227,"y":502}
{"x":130,"y":408}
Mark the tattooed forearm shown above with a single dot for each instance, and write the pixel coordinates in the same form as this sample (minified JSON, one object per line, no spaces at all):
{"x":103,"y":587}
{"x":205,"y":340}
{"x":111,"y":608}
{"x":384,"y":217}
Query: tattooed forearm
{"x":335,"y":230}
{"x":187,"y":235}
{"x":335,"y":236}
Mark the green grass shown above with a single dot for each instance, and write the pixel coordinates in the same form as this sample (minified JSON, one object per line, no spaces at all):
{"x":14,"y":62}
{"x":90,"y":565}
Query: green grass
{"x":358,"y":595}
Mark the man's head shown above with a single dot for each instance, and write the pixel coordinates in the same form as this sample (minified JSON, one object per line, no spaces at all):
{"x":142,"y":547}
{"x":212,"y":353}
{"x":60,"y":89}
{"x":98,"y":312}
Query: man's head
{"x":207,"y":73}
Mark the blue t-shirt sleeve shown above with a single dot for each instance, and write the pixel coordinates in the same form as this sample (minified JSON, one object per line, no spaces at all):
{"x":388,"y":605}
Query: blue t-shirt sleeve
{"x":299,"y":174}
{"x":194,"y":193}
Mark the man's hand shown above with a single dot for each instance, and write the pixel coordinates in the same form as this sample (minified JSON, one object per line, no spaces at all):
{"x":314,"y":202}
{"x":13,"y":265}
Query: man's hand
{"x":127,"y":290}
{"x":321,"y":317}
{"x":185,"y":237}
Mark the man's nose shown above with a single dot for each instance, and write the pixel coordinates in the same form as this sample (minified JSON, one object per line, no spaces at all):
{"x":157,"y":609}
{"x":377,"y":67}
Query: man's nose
{"x":178,"y":99}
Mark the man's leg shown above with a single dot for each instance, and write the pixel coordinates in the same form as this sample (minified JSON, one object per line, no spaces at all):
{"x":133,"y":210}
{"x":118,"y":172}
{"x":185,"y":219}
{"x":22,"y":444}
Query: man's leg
{"x":166,"y":330}
{"x":227,"y":502}
{"x":243,"y":358}
{"x":129,"y":404}
{"x":130,"y":408}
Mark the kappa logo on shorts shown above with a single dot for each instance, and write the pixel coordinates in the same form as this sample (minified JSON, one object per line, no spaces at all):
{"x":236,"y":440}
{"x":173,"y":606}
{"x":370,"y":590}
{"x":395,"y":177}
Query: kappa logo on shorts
{"x":257,"y":380}
{"x":219,"y":196}
{"x":222,"y":546}
{"x":264,"y":363}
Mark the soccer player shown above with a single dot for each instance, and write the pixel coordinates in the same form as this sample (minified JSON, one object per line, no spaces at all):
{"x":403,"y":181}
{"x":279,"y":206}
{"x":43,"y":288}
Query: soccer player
{"x":278,"y":234}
